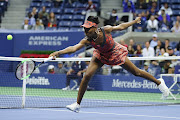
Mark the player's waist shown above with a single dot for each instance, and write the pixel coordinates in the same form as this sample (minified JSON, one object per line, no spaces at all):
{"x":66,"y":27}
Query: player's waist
{"x":104,"y":52}
{"x":111,"y":49}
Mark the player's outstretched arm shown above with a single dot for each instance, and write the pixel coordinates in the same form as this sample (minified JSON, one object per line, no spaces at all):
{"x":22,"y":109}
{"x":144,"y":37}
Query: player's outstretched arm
{"x":70,"y":49}
{"x":123,"y":25}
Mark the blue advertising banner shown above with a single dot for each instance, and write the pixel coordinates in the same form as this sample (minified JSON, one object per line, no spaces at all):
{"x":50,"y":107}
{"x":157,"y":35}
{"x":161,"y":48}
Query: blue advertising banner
{"x":36,"y":40}
{"x":45,"y":41}
{"x":6,"y":46}
{"x":98,"y":82}
{"x":177,"y":69}
{"x":126,"y":83}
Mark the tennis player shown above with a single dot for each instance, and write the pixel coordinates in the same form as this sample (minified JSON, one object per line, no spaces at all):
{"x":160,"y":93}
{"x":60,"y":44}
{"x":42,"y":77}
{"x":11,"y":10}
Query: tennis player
{"x":107,"y":51}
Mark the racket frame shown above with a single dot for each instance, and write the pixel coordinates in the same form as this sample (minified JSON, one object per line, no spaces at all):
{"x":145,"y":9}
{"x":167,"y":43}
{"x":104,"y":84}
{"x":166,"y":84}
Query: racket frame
{"x":35,"y":67}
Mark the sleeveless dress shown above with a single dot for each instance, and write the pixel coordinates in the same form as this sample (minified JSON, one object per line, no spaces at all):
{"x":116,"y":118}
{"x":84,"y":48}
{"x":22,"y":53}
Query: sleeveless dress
{"x":110,"y":52}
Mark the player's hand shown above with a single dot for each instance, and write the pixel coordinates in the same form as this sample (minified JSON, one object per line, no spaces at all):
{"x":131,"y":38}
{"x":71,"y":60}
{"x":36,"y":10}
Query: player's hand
{"x":54,"y":55}
{"x":138,"y":20}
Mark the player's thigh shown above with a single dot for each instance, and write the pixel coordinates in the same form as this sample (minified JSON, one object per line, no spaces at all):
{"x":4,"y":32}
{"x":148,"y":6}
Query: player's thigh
{"x":129,"y":66}
{"x":93,"y":66}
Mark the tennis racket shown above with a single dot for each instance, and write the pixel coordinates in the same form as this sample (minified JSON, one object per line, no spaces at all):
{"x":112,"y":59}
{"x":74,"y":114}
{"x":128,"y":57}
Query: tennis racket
{"x":26,"y":67}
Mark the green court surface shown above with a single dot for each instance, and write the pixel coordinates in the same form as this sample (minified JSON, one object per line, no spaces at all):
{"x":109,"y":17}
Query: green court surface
{"x":97,"y":95}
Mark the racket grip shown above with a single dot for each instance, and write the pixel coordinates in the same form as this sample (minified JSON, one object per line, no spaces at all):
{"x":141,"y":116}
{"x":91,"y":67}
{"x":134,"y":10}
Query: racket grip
{"x":48,"y":59}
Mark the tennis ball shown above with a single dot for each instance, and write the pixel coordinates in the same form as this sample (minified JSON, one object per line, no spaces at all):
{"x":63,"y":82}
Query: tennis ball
{"x":9,"y":37}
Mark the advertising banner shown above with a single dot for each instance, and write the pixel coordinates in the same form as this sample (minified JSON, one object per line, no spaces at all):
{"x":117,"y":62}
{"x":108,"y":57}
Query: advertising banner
{"x":36,"y":40}
{"x":45,"y":41}
{"x":98,"y":82}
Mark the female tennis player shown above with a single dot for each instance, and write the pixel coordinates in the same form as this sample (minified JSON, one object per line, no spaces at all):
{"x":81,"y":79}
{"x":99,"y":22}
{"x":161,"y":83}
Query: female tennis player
{"x":107,"y":51}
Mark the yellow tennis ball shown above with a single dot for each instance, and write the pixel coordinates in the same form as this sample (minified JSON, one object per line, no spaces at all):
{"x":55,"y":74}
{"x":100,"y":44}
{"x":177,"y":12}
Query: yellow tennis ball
{"x":9,"y":37}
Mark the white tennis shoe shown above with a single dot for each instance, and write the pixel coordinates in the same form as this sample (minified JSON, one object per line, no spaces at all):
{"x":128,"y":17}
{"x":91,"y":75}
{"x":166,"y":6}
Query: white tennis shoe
{"x":75,"y":107}
{"x":66,"y":88}
{"x":163,"y":88}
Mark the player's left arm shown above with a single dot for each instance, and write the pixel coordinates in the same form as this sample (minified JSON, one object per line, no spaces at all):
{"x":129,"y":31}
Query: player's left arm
{"x":123,"y":25}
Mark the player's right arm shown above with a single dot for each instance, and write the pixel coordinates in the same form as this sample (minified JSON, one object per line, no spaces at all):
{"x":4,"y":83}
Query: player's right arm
{"x":70,"y":49}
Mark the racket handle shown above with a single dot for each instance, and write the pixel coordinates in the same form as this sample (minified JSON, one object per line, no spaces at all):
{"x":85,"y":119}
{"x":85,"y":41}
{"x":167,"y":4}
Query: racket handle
{"x":48,"y":59}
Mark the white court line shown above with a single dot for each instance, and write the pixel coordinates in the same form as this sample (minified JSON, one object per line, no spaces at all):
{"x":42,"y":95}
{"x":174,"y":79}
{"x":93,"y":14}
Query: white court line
{"x":101,"y":113}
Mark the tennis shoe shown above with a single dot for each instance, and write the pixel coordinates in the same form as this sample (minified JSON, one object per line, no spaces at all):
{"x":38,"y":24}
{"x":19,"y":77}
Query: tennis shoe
{"x":163,"y":88}
{"x":77,"y":89}
{"x":75,"y":107}
{"x":66,"y":88}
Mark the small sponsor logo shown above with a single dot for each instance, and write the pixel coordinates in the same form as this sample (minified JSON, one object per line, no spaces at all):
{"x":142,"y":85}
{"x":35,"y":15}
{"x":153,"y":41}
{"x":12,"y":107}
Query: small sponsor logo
{"x":134,"y":84}
{"x":47,"y":40}
{"x":37,"y":81}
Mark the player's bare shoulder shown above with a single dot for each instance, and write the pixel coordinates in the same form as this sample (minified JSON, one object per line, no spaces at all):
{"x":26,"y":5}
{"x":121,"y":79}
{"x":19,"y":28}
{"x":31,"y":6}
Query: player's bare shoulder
{"x":108,"y":28}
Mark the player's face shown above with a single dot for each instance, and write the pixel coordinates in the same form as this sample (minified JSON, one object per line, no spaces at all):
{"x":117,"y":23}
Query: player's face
{"x":91,"y":33}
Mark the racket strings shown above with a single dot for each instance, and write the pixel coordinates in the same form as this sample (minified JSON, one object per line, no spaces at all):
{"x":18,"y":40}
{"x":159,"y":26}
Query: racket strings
{"x":28,"y":66}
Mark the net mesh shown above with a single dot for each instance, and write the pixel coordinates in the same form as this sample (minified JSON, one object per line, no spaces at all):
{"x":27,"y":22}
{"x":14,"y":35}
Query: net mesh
{"x":110,"y":86}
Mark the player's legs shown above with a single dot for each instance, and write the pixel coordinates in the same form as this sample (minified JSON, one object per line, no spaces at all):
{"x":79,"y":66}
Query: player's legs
{"x":93,"y":66}
{"x":129,"y":66}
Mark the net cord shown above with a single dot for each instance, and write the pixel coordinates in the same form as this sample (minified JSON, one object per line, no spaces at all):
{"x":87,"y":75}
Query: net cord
{"x":87,"y":58}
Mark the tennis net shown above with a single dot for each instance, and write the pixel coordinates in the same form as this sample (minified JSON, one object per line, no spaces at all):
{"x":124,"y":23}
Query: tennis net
{"x":111,"y":86}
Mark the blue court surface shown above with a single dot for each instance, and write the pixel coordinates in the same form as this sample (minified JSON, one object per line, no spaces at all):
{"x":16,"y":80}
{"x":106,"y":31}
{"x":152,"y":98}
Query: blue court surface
{"x":170,"y":112}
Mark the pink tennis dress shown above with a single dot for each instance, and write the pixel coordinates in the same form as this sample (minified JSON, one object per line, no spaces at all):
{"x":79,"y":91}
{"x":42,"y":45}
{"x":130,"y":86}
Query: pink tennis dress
{"x":110,"y":52}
